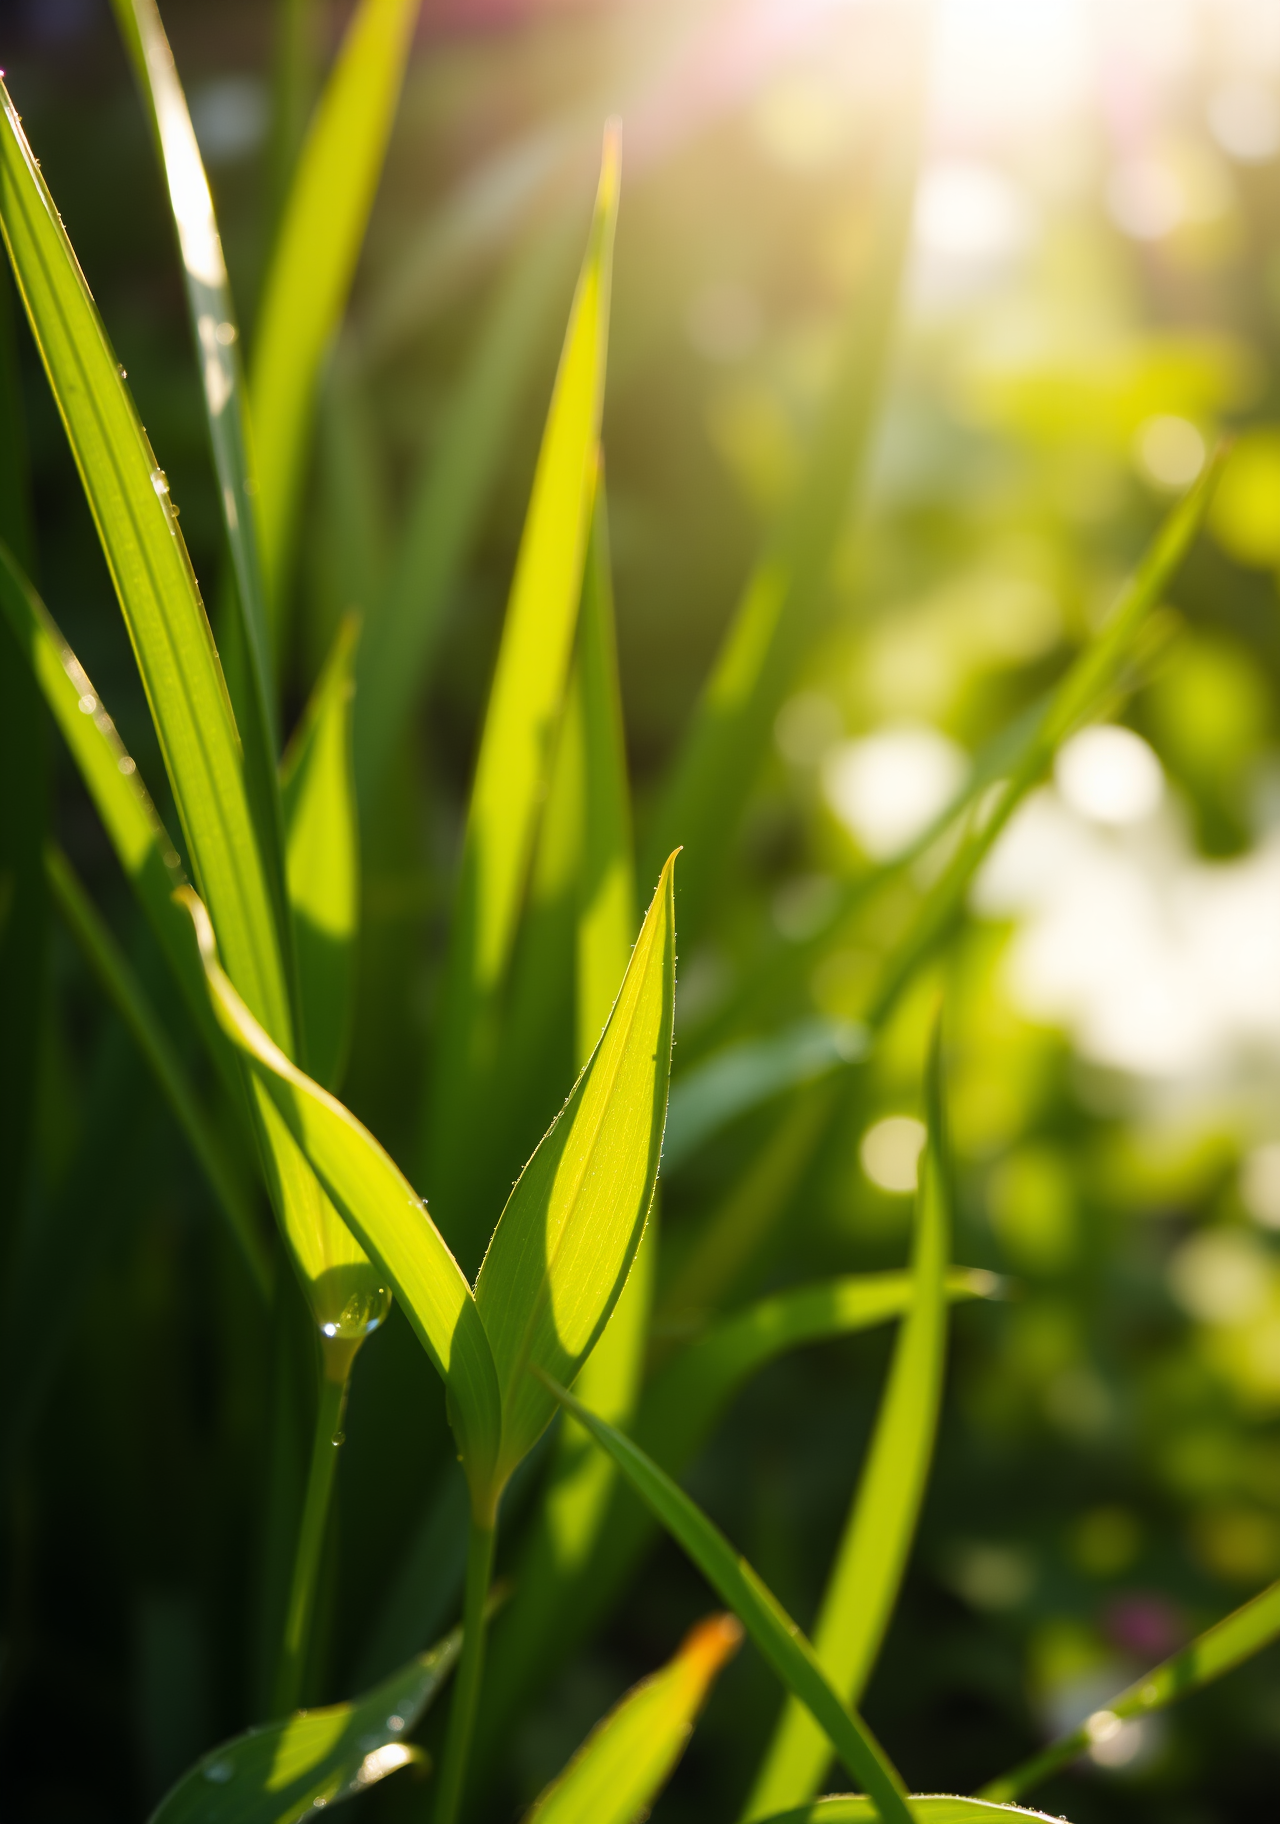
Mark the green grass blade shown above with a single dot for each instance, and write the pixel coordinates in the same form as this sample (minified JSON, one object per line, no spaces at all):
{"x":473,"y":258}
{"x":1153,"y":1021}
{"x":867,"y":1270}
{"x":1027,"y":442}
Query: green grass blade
{"x":1075,"y":698}
{"x":1228,"y":1643}
{"x":565,"y":1243}
{"x":380,"y":1206}
{"x":770,"y":1627}
{"x":743,"y":1077}
{"x":313,"y":264}
{"x":289,"y":1770}
{"x":783,"y":601}
{"x":524,"y":707}
{"x":863,"y":1583}
{"x":122,"y":987}
{"x":216,"y":336}
{"x":447,"y":502}
{"x":322,"y":860}
{"x":129,"y":498}
{"x":629,"y":1756}
{"x":685,"y":1399}
{"x":927,"y":1808}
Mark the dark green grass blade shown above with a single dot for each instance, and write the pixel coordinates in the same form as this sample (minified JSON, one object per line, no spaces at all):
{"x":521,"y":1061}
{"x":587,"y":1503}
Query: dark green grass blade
{"x":1076,"y":697}
{"x":772,"y":1629}
{"x":743,"y":1077}
{"x":131,"y":1001}
{"x":783,"y":602}
{"x":290,"y":1770}
{"x":313,"y":264}
{"x":129,"y":498}
{"x":447,"y":503}
{"x":862,"y":1586}
{"x":631,"y":1754}
{"x":217,"y":347}
{"x":1227,"y":1644}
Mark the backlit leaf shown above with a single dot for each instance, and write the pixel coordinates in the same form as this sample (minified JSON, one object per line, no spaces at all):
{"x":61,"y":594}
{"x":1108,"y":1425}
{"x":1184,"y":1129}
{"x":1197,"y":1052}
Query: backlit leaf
{"x":564,"y":1245}
{"x":926,"y":1808}
{"x":629,"y":1756}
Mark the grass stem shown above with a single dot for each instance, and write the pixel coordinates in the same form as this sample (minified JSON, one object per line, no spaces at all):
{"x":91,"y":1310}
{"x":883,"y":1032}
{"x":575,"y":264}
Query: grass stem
{"x":466,"y":1690}
{"x":334,"y":1380}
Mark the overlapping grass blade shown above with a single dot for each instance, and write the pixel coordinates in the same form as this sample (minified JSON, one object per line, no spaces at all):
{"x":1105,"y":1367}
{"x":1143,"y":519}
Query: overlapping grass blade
{"x":927,"y":1808}
{"x":447,"y":501}
{"x":1228,"y":1643}
{"x":322,"y":860}
{"x":289,"y":1770}
{"x":119,"y":981}
{"x":129,"y":498}
{"x":629,"y":1756}
{"x":863,"y":1583}
{"x":743,"y":1077}
{"x":562,"y":1250}
{"x":770,"y":1627}
{"x":1075,"y":698}
{"x":524,"y":708}
{"x":781,"y":606}
{"x":378,"y":1203}
{"x":313,"y":264}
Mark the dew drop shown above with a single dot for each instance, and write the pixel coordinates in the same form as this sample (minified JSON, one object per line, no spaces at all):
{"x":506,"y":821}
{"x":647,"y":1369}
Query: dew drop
{"x":395,"y":1722}
{"x":219,"y":1772}
{"x":88,"y":704}
{"x":123,"y":372}
{"x":127,"y":765}
{"x":226,"y":334}
{"x":339,"y":1438}
{"x":329,"y":1329}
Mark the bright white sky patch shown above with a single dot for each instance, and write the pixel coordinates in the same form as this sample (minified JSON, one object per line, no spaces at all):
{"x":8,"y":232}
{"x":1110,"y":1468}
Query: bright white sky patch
{"x":887,"y":788}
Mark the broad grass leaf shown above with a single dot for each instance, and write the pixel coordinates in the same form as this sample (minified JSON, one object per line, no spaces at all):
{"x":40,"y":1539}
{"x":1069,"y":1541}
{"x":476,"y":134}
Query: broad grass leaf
{"x":322,"y":860}
{"x":781,"y":606}
{"x":761,"y":1614}
{"x":446,"y":502}
{"x":380,"y":1206}
{"x":129,"y":498}
{"x":565,"y":1243}
{"x":288,"y":1770}
{"x":629,"y":1756}
{"x":524,"y":707}
{"x":119,"y":980}
{"x":1228,"y":1643}
{"x":742,"y":1077}
{"x":313,"y":263}
{"x":926,"y":1808}
{"x":862,"y":1586}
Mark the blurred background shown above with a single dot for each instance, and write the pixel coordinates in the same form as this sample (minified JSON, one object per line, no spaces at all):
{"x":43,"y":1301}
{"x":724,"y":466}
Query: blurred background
{"x":1091,"y":298}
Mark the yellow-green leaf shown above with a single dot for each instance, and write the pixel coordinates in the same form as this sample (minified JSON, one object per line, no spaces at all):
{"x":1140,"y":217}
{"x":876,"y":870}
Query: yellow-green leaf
{"x":629,"y":1756}
{"x":322,"y":860}
{"x":289,"y":1770}
{"x":380,"y":1206}
{"x":524,"y":709}
{"x":128,"y":495}
{"x":564,"y":1245}
{"x":314,"y":262}
{"x":862,"y":1586}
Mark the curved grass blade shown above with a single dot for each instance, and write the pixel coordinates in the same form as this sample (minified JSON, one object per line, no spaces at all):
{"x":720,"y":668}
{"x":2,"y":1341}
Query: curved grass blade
{"x":565,"y":1243}
{"x":322,"y":861}
{"x":781,"y":606}
{"x":629,"y":1756}
{"x":743,"y":1077}
{"x":1075,"y":698}
{"x":446,"y":504}
{"x":289,"y":1770}
{"x":765,"y":1620}
{"x":313,"y":264}
{"x":524,"y":708}
{"x":926,"y":1807}
{"x":1228,"y":1643}
{"x":119,"y":981}
{"x":380,"y":1206}
{"x":129,"y":498}
{"x":862,"y":1586}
